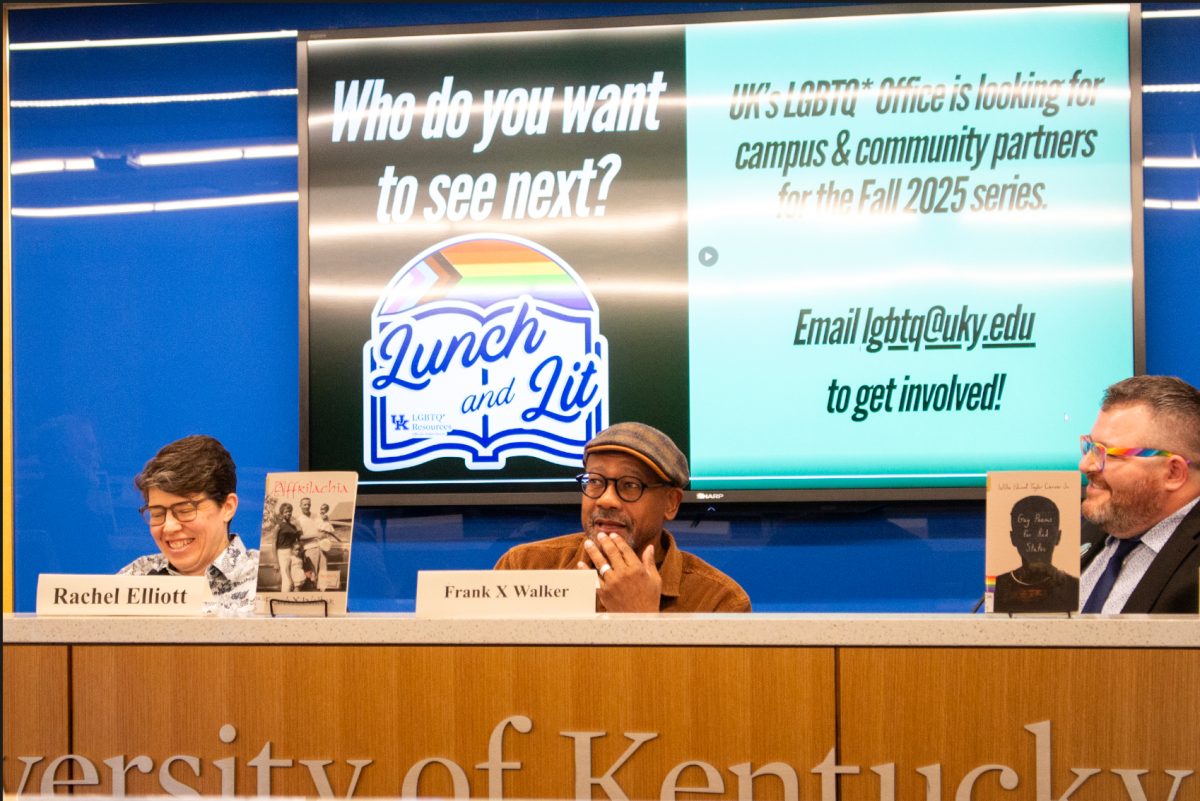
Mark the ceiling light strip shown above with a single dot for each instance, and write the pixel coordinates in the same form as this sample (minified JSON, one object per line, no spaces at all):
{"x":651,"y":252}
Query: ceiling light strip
{"x":1161,"y":88}
{"x":1171,"y":205}
{"x":1171,"y":13}
{"x":153,"y":40}
{"x":162,"y":205}
{"x":32,"y":166}
{"x":73,"y":102}
{"x":1172,"y":162}
{"x":170,"y":158}
{"x":210,"y":155}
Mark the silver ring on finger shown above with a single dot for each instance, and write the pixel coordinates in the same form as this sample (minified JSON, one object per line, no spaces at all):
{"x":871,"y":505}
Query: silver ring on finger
{"x":604,"y":568}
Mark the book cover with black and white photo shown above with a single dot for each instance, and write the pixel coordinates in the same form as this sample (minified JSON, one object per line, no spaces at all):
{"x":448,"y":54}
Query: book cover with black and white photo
{"x":1032,"y":561}
{"x":304,"y":556}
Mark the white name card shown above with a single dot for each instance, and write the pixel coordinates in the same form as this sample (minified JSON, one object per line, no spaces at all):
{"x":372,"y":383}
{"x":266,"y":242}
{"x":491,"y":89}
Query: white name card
{"x":105,"y":595}
{"x":506,"y":593}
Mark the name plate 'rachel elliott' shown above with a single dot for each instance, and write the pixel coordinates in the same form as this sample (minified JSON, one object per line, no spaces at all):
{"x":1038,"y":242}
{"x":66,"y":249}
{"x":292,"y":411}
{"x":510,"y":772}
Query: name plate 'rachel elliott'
{"x":506,"y":593}
{"x":105,"y":595}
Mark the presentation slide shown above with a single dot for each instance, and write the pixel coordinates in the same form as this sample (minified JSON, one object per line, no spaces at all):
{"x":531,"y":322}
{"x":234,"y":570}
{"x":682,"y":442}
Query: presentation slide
{"x":878,"y":251}
{"x":929,"y":269}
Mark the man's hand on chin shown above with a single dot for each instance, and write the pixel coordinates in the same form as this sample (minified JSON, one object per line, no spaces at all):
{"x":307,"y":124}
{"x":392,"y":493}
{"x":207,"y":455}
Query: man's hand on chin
{"x":627,"y":583}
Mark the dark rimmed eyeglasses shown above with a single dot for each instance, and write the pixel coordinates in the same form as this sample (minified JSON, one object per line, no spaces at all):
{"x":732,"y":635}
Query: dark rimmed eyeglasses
{"x":184,"y":512}
{"x":629,"y":488}
{"x":1100,"y":452}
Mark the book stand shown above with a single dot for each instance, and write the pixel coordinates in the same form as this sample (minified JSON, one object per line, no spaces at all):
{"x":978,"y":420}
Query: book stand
{"x":324,"y":605}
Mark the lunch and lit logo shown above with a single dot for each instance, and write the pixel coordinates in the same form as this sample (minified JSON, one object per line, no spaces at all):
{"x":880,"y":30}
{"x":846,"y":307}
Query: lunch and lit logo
{"x":483,"y":347}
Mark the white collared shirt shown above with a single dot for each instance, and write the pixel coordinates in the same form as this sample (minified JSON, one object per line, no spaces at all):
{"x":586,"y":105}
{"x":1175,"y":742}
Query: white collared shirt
{"x":232,"y":577}
{"x":1136,"y":563}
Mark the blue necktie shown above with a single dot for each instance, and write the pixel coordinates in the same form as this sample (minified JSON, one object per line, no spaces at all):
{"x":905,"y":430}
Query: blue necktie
{"x":1108,"y":578}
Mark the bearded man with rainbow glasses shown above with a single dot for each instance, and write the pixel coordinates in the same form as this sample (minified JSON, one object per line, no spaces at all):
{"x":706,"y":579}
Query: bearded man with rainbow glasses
{"x":1141,"y":533}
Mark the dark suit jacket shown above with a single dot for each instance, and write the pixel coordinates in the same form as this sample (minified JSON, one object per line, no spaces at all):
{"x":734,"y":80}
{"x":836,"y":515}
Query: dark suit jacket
{"x":1169,"y":585}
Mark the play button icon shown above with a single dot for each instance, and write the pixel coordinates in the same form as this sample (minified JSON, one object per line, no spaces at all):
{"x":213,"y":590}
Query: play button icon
{"x":708,"y":256}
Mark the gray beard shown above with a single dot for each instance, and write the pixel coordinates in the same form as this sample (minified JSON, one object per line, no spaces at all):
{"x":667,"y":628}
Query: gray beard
{"x":591,"y":529}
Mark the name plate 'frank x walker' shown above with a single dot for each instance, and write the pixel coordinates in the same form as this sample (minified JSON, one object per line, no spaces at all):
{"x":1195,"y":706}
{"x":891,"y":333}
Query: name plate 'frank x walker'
{"x":505,"y":593}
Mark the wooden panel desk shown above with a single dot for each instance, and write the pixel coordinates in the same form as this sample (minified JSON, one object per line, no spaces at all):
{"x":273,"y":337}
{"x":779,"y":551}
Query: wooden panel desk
{"x":639,"y":707}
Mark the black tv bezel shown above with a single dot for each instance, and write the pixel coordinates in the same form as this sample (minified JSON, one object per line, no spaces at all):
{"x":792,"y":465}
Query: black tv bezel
{"x":471,"y":493}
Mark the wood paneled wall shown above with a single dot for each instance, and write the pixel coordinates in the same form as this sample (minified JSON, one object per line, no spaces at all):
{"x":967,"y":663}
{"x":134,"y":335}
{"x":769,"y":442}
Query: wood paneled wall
{"x":642,"y":722}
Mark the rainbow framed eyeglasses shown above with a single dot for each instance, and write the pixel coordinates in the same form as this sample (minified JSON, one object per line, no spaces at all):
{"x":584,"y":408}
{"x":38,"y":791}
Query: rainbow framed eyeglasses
{"x":1100,"y":452}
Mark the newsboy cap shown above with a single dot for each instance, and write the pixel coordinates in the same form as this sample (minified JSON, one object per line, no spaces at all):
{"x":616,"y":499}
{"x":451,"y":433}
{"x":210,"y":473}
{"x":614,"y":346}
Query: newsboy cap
{"x":646,"y":443}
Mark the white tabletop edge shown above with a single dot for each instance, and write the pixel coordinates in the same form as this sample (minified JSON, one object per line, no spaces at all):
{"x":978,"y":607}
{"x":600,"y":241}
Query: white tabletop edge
{"x":759,"y":629}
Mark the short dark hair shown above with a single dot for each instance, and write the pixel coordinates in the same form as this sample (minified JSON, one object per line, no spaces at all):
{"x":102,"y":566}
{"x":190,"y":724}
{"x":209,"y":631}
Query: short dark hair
{"x":196,"y":463}
{"x":1175,"y":403}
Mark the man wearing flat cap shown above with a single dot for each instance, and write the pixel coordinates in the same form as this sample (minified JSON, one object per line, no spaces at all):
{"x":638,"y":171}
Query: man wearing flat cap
{"x":632,"y":484}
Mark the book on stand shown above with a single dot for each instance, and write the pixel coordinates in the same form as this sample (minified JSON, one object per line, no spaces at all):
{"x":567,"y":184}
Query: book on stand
{"x":1032,"y":541}
{"x":307,"y":531}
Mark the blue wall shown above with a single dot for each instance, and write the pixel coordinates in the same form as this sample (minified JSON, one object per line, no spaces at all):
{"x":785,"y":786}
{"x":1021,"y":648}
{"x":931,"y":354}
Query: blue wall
{"x":131,"y":330}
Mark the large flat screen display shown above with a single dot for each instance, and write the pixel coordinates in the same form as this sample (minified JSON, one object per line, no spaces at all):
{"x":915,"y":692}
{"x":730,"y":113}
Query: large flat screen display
{"x":831,"y":256}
